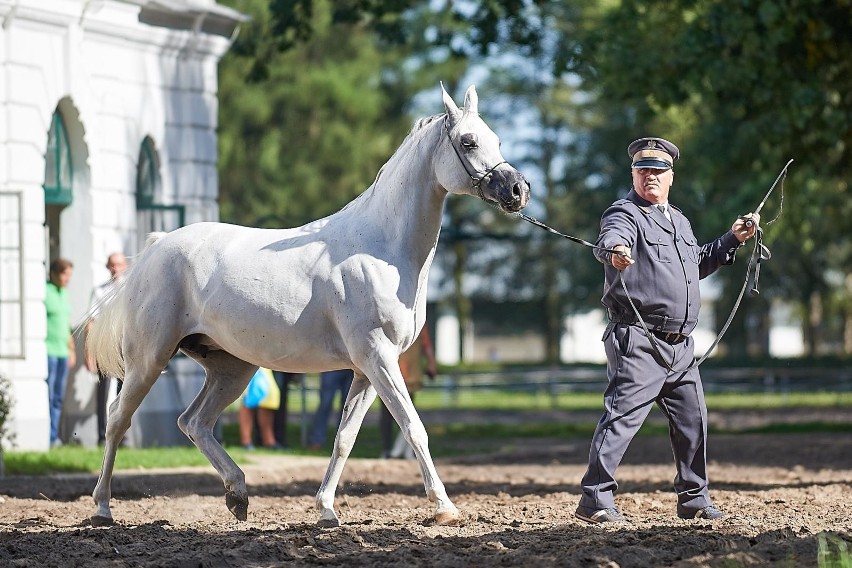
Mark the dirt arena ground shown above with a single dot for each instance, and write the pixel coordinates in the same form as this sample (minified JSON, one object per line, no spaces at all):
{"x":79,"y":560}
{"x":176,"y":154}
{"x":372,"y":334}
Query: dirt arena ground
{"x":782,"y":493}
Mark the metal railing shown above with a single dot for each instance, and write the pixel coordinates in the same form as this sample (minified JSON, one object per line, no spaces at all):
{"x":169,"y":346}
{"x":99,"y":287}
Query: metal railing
{"x":593,"y":379}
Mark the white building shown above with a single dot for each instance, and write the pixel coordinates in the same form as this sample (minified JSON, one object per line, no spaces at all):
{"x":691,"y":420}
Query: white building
{"x":108,"y":114}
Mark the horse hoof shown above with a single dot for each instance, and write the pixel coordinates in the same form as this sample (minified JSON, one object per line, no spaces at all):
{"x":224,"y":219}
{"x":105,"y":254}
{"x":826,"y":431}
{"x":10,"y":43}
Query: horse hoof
{"x":328,"y":523}
{"x":101,"y":521}
{"x":445,"y":519}
{"x":238,"y":506}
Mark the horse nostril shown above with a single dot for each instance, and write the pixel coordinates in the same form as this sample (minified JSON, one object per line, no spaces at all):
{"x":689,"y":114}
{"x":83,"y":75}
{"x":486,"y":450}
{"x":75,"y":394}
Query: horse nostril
{"x":517,"y":192}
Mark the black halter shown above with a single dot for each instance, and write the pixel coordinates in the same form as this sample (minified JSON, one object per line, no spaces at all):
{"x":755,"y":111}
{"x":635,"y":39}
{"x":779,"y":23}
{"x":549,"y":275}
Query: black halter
{"x":476,"y":181}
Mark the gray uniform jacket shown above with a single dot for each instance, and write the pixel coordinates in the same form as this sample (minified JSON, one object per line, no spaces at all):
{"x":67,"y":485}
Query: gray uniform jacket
{"x":663,"y":282}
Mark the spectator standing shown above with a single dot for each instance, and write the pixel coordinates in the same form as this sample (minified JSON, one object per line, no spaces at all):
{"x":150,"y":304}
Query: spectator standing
{"x":60,"y":341}
{"x":279,"y":426}
{"x":331,"y":382}
{"x":259,"y":403}
{"x":116,"y":264}
{"x":411,"y":363}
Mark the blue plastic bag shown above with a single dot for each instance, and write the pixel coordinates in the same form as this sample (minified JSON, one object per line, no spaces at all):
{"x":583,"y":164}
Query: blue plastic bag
{"x":258,"y":389}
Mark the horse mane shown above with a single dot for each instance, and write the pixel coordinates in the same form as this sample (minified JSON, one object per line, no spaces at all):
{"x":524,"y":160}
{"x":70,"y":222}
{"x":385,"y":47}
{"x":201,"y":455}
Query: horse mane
{"x":417,"y":132}
{"x":421,"y":122}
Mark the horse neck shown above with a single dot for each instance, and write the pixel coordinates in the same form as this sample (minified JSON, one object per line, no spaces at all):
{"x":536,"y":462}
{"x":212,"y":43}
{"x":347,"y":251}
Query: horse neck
{"x":406,"y":202}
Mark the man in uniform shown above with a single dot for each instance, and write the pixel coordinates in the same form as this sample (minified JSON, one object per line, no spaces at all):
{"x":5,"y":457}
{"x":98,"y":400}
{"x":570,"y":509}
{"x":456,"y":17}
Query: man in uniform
{"x":661,"y":265}
{"x":116,"y":264}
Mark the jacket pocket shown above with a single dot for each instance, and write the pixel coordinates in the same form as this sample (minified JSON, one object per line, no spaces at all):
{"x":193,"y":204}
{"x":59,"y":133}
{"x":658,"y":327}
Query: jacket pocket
{"x":693,"y":251}
{"x":659,"y":245}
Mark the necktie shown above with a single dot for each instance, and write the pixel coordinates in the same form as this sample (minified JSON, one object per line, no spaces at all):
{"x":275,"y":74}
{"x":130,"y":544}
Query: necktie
{"x":665,"y":210}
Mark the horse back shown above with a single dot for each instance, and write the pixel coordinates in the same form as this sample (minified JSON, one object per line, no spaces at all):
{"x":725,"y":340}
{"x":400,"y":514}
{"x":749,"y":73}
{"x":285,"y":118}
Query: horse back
{"x":270,"y":296}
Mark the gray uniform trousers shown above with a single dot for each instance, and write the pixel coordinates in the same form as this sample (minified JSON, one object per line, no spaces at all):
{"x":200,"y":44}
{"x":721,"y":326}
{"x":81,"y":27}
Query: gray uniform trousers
{"x":636,"y":381}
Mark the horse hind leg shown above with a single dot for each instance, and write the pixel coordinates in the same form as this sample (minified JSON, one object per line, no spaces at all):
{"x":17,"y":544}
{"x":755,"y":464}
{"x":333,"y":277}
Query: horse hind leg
{"x":361,"y":396}
{"x":227,"y":377}
{"x":138,"y":380}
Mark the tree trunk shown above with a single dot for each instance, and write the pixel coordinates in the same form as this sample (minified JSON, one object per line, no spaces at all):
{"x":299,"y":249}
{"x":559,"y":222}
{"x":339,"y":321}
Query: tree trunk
{"x":812,"y":323}
{"x":552,"y":297}
{"x":847,"y":317}
{"x":552,"y":309}
{"x":462,"y":302}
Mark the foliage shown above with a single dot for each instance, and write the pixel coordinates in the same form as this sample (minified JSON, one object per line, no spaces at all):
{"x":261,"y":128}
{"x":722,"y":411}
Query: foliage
{"x":491,"y":22}
{"x":6,"y":404}
{"x":301,"y":139}
{"x":743,"y":86}
{"x":833,"y":551}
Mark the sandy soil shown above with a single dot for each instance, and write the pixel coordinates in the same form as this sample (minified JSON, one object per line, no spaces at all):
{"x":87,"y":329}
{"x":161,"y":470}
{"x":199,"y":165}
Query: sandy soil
{"x":780,"y":492}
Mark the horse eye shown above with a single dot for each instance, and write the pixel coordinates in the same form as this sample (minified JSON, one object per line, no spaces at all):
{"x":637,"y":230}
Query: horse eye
{"x":469,"y":141}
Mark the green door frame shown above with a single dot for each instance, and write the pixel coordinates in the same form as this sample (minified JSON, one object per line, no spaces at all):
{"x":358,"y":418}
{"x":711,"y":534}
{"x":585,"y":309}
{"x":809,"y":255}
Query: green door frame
{"x":58,"y":179}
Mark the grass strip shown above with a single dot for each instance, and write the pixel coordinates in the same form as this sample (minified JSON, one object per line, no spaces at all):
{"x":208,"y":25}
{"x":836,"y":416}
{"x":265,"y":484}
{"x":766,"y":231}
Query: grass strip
{"x":445,"y":440}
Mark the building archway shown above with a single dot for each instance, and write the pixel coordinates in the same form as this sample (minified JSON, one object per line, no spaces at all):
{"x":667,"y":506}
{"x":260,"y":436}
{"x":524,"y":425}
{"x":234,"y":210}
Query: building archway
{"x":58,"y":183}
{"x":152,"y":214}
{"x":66,"y":179}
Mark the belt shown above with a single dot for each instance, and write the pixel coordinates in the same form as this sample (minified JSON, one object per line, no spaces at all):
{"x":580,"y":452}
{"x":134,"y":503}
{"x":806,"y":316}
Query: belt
{"x":668,"y":337}
{"x":653,"y":320}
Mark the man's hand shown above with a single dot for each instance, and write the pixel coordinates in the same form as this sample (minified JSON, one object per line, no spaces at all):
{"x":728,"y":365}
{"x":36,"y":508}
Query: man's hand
{"x":744,"y":230}
{"x":621,"y":261}
{"x":431,"y":370}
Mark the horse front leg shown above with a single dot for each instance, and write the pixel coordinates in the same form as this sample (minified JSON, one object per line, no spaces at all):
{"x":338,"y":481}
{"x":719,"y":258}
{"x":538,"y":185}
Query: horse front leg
{"x":361,"y":396}
{"x":388,"y":381}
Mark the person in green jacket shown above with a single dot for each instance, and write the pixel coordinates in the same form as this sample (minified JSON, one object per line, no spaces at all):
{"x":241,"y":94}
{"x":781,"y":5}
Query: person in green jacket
{"x":60,"y":341}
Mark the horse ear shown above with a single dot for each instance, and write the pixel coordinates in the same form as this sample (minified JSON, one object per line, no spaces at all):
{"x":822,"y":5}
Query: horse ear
{"x":471,"y":100}
{"x":449,"y":105}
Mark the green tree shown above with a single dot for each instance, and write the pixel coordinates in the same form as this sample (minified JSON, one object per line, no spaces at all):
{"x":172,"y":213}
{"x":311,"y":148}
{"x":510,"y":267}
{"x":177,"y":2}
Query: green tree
{"x":6,"y":405}
{"x":547,"y":123}
{"x":487,"y":23}
{"x":743,"y":86}
{"x":305,"y":131}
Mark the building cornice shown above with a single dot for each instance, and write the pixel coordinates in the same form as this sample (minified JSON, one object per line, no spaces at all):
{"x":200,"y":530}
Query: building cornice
{"x":196,"y":26}
{"x":203,"y":16}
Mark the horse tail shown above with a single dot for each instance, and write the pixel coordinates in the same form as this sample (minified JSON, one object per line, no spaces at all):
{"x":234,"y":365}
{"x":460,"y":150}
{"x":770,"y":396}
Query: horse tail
{"x":106,"y":320}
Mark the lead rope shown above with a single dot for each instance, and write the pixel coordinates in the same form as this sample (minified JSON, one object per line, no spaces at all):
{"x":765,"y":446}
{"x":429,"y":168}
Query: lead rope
{"x":754,"y":262}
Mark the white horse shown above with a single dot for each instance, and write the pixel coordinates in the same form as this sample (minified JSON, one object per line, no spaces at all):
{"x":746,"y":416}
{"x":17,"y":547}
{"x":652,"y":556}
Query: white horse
{"x":346,"y":291}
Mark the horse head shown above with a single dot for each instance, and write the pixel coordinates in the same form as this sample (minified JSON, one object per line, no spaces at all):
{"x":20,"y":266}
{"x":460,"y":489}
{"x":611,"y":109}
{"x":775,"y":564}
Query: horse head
{"x":473,"y":163}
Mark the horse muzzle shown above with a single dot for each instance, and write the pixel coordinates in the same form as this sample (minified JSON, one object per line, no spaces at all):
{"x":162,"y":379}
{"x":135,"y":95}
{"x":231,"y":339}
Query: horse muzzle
{"x":509,"y":189}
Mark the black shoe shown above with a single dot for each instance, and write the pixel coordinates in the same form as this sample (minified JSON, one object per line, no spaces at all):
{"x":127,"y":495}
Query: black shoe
{"x":598,"y":516}
{"x":709,"y":513}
